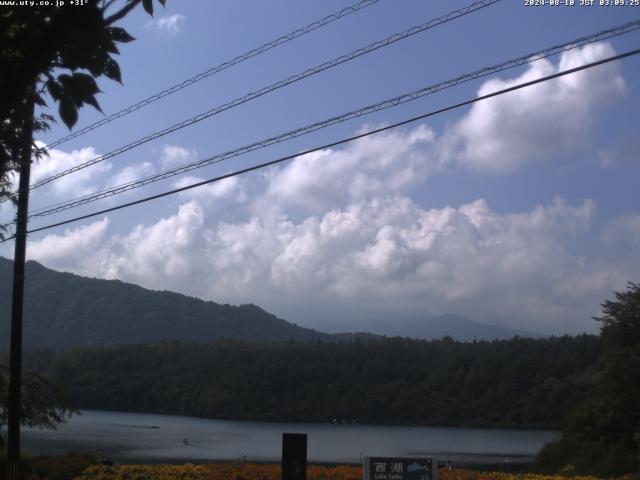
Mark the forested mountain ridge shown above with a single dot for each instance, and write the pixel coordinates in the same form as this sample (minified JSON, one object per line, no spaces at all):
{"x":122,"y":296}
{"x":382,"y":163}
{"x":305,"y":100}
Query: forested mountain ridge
{"x":459,"y":328}
{"x":63,"y":311}
{"x":504,"y":383}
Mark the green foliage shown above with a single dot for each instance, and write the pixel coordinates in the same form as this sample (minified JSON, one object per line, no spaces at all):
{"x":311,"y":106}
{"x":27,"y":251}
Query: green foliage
{"x":60,"y":467}
{"x":43,"y":403}
{"x":40,"y":40}
{"x":602,"y":435}
{"x":65,"y":311}
{"x":514,"y":383}
{"x":59,"y":51}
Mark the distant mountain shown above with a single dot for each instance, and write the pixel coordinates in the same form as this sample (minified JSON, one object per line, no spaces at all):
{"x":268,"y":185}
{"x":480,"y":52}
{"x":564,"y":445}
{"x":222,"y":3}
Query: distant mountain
{"x":454,"y":326}
{"x":64,"y":311}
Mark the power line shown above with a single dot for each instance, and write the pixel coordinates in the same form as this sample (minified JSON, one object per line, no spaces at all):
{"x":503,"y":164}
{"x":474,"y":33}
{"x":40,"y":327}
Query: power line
{"x":292,"y":79}
{"x":398,"y":100}
{"x":275,"y":86}
{"x":219,"y":68}
{"x":340,"y":142}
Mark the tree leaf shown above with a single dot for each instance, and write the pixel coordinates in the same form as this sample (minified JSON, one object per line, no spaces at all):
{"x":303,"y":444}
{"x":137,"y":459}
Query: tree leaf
{"x":68,"y":112}
{"x":97,"y":62}
{"x":84,"y":85}
{"x":54,"y":89}
{"x":94,"y":103}
{"x":110,"y":47}
{"x":72,"y":56}
{"x":39,"y":101}
{"x":112,"y":70}
{"x":118,"y":34}
{"x":91,"y":100}
{"x":148,"y":6}
{"x":64,"y":79}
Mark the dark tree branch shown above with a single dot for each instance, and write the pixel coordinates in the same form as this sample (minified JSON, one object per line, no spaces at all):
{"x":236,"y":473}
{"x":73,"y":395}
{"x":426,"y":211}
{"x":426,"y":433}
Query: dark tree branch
{"x":105,"y":6}
{"x":120,"y":14}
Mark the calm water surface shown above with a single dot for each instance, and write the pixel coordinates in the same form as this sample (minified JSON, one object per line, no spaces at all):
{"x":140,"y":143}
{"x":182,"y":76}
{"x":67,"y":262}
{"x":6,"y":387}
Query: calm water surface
{"x":154,"y":438}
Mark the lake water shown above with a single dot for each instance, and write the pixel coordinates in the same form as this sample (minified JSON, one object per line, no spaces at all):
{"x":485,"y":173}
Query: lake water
{"x":156,"y":438}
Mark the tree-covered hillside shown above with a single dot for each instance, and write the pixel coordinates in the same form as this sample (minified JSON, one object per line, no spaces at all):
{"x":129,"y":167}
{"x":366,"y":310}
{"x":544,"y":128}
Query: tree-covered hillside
{"x":513,"y":383}
{"x":64,"y":311}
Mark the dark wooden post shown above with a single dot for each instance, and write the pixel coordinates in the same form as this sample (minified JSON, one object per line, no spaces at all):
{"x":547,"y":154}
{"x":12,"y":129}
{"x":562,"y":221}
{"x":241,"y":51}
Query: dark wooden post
{"x":294,"y":456}
{"x":15,"y":355}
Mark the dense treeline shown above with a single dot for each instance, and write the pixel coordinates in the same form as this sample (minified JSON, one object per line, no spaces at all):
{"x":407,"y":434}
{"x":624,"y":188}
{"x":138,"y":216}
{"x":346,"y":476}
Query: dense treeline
{"x":601,"y":435}
{"x":514,"y":383}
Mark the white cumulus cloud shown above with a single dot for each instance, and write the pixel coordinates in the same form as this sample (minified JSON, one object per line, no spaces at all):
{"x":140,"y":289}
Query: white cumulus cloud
{"x":68,"y":251}
{"x":169,"y":24}
{"x":386,"y":258}
{"x":208,"y":194}
{"x":502,"y":133}
{"x":386,"y":162}
{"x":80,"y":182}
{"x":175,"y":155}
{"x":162,"y":250}
{"x":131,"y":173}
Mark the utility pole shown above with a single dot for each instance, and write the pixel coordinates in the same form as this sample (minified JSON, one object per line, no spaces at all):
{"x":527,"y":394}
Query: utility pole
{"x":15,"y":355}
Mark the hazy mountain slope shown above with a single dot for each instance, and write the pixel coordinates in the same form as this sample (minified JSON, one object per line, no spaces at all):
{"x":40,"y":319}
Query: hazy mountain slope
{"x":63,"y":311}
{"x":430,"y":327}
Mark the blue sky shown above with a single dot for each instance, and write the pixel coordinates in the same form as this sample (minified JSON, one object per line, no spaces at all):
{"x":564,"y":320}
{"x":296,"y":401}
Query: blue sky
{"x":519,"y":211}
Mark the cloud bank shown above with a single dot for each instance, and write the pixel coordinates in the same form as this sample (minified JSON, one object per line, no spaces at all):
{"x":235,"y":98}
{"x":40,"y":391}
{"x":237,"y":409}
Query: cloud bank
{"x":386,"y":255}
{"x":340,"y":234}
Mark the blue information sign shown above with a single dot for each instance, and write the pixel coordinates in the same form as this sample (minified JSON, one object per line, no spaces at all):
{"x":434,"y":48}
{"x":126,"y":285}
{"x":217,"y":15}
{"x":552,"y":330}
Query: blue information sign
{"x":400,"y":468}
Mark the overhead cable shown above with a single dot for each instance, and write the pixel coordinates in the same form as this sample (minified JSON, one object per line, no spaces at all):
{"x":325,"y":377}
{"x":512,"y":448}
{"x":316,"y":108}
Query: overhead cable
{"x":339,"y":142}
{"x":217,"y":69}
{"x":392,"y":102}
{"x":455,"y":14}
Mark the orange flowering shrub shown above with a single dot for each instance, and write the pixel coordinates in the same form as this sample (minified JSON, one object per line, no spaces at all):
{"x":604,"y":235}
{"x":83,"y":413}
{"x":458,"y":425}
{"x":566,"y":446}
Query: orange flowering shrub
{"x":243,"y":471}
{"x":339,"y":472}
{"x":462,"y":474}
{"x":145,"y":472}
{"x":271,"y":471}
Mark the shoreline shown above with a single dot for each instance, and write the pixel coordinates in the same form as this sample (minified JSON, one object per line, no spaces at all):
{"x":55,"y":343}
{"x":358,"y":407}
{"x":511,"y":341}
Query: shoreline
{"x":457,"y":460}
{"x":338,"y":424}
{"x":148,"y":438}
